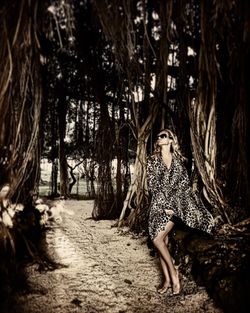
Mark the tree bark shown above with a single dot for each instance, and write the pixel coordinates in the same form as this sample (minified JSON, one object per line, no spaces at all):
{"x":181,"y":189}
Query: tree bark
{"x":64,"y":179}
{"x":137,"y":196}
{"x":104,"y":201}
{"x":20,"y":96}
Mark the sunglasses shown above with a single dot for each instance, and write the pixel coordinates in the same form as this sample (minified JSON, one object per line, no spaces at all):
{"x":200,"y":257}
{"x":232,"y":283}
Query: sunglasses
{"x":162,"y":136}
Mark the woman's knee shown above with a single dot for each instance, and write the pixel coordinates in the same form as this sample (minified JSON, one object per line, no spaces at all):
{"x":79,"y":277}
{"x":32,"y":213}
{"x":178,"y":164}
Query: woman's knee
{"x":158,"y":241}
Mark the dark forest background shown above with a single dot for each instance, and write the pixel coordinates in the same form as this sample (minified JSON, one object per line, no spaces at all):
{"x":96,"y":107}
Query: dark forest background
{"x":94,"y":81}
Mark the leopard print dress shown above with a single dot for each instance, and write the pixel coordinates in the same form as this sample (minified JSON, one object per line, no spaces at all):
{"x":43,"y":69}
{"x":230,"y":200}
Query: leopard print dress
{"x":171,"y":190}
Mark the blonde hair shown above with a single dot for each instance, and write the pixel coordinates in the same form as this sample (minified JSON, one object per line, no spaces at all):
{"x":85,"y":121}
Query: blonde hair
{"x":175,"y":147}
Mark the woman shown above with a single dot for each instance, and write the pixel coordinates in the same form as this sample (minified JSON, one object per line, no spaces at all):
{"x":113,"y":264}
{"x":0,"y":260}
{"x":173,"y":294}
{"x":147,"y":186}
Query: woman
{"x":172,"y":197}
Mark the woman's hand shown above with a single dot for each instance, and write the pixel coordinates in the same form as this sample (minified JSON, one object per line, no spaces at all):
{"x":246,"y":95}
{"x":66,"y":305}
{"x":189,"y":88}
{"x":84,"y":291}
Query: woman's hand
{"x":169,"y":212}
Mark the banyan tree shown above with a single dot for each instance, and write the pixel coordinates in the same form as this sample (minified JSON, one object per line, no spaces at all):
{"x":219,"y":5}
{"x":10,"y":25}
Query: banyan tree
{"x":120,"y":71}
{"x":27,"y":29}
{"x":20,"y":95}
{"x":197,"y":52}
{"x":92,"y":82}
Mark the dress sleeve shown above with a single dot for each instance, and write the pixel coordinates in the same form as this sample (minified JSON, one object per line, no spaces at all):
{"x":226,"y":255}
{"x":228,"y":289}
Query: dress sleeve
{"x":152,"y":179}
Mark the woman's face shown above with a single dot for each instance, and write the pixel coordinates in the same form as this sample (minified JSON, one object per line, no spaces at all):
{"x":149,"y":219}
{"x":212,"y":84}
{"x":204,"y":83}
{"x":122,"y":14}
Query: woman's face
{"x":163,"y":138}
{"x":4,"y":192}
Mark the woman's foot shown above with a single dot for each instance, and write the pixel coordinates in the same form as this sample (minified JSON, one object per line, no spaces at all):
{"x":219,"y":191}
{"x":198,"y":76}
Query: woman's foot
{"x":164,"y":288}
{"x":176,"y":285}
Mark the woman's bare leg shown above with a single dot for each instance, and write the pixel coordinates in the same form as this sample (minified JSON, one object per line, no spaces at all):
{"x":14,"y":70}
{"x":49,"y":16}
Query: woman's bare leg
{"x":159,"y":243}
{"x":164,"y":266}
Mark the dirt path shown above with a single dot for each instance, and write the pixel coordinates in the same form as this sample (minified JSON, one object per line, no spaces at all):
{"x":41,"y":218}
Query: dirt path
{"x":105,"y":271}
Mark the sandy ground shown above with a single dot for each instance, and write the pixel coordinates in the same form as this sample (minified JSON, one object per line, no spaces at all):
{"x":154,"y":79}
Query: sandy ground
{"x":104,"y":270}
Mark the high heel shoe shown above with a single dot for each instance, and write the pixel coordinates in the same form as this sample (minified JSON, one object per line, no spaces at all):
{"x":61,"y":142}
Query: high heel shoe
{"x":177,"y":287}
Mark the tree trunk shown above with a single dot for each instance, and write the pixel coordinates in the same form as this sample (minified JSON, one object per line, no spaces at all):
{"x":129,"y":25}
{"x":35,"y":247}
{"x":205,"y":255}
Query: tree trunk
{"x":54,"y":175}
{"x":20,"y":96}
{"x":137,"y":196}
{"x":104,"y":201}
{"x":74,"y":180}
{"x":64,"y":179}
